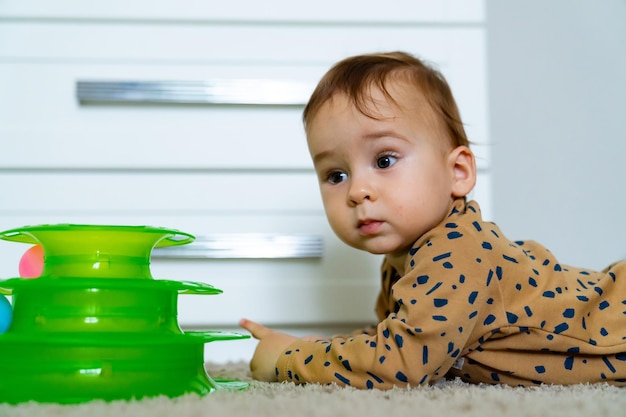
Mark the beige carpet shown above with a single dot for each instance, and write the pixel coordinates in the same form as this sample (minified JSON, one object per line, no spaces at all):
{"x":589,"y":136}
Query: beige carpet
{"x":450,"y":398}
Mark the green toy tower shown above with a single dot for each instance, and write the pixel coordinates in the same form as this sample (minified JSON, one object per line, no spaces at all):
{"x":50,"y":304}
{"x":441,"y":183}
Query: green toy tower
{"x":96,"y":325}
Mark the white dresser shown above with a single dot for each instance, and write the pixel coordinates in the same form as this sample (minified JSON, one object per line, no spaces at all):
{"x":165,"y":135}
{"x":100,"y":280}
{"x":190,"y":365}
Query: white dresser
{"x":187,"y":115}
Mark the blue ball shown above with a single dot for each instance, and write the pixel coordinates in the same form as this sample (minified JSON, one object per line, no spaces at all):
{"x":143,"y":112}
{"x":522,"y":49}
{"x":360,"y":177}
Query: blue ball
{"x":6,"y":314}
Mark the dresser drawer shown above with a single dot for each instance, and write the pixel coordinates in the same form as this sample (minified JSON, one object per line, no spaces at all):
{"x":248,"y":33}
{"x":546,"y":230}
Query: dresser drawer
{"x":337,"y":286}
{"x":43,"y":124}
{"x":313,"y":288}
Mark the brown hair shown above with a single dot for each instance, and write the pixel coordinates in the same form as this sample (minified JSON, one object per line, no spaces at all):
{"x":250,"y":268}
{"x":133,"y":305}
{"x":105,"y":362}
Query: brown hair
{"x":354,"y":76}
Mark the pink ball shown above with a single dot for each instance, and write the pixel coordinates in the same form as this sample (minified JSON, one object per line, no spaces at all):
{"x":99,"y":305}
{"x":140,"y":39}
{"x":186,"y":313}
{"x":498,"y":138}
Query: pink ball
{"x":31,"y":263}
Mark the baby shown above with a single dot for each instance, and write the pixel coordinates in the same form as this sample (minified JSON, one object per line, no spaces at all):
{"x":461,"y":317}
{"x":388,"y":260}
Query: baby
{"x":457,"y":298}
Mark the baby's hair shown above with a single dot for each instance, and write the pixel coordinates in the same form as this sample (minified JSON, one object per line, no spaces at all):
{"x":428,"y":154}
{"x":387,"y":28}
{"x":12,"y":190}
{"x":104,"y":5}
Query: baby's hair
{"x":354,"y":76}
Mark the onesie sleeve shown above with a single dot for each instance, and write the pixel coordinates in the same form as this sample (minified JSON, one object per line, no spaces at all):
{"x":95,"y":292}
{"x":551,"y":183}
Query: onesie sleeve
{"x":432,"y":315}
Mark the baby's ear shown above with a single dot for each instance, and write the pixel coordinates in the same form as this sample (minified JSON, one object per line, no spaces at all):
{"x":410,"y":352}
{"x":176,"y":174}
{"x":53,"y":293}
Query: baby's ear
{"x":463,"y":164}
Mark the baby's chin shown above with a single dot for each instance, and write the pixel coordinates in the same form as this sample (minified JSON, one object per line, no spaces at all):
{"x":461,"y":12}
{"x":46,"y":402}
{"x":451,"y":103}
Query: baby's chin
{"x":381,"y":247}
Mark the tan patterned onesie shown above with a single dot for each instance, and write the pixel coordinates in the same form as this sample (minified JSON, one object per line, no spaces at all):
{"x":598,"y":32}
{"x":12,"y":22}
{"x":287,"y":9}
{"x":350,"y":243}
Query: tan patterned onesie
{"x":476,"y":305}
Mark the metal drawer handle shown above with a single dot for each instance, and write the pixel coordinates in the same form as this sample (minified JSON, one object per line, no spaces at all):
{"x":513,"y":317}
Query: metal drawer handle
{"x":246,"y":245}
{"x":264,"y":92}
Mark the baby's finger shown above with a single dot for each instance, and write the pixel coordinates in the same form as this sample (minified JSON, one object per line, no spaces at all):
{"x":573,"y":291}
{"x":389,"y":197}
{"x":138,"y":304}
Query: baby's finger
{"x":258,"y":330}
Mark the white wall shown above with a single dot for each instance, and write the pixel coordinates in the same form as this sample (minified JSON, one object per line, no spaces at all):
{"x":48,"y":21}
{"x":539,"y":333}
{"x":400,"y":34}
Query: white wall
{"x":557,"y":91}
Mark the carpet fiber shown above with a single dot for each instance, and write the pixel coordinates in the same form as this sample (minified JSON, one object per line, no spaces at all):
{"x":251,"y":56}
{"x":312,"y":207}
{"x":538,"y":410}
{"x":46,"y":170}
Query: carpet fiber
{"x":449,"y":398}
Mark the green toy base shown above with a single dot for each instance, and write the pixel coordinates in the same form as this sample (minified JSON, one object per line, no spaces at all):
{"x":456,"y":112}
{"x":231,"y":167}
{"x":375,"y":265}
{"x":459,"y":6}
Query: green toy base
{"x":71,"y":368}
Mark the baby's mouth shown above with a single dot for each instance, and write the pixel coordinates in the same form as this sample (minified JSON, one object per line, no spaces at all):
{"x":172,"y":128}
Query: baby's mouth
{"x":369,"y":226}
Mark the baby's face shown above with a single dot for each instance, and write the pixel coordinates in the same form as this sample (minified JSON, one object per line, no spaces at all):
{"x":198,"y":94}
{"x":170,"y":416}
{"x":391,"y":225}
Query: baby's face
{"x":383,"y":182}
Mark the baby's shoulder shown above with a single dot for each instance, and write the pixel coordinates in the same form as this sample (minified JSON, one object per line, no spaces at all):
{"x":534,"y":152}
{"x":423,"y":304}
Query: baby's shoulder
{"x":465,"y":237}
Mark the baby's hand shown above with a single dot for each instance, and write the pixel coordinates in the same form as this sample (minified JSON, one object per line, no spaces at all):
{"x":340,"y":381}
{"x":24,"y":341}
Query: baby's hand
{"x":271,"y":345}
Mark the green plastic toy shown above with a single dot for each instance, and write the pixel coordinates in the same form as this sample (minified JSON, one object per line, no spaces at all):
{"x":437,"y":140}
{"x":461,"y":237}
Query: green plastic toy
{"x":96,"y":325}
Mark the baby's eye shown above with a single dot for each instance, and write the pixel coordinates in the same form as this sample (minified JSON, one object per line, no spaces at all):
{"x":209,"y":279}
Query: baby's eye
{"x":336,"y":177}
{"x":386,"y":161}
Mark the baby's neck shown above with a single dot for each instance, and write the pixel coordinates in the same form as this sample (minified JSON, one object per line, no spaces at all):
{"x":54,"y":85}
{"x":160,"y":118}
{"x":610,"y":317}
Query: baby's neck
{"x":397,"y":261}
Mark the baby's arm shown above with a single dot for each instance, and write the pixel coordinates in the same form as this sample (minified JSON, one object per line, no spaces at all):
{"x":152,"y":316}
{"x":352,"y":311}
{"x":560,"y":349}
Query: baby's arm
{"x":272,"y":344}
{"x":435,"y":321}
